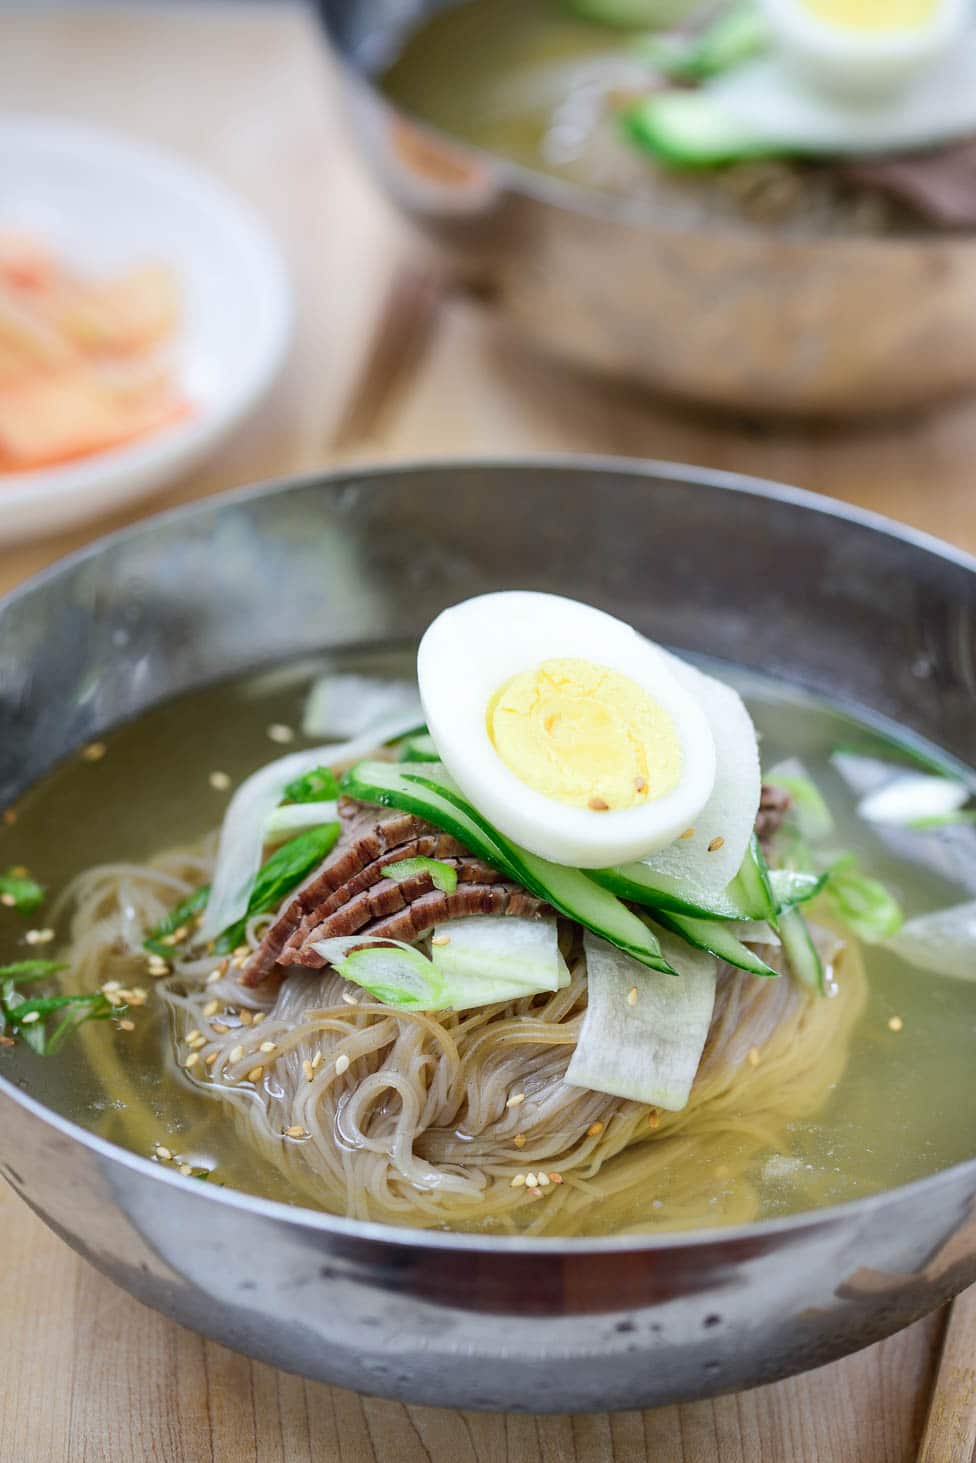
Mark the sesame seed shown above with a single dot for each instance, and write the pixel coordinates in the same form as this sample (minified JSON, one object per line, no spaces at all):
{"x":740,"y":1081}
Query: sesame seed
{"x":516,"y":1099}
{"x":895,"y":1023}
{"x":295,"y":1131}
{"x":716,"y":844}
{"x":594,"y":1130}
{"x":39,"y":937}
{"x":191,"y":1060}
{"x":240,"y":950}
{"x":178,"y":935}
{"x":598,"y":805}
{"x":688,"y":833}
{"x":220,"y":1028}
{"x":210,"y":1058}
{"x":30,"y":1018}
{"x":308,"y":1070}
{"x":238,"y":962}
{"x":236,"y":1054}
{"x":246,"y":1018}
{"x":441,"y":940}
{"x":257,"y":1018}
{"x":350,"y":999}
{"x":214,"y":976}
{"x":185,"y":1170}
{"x":654,"y":1118}
{"x":543,"y":1180}
{"x":278,"y":732}
{"x":518,"y":1181}
{"x":8,"y":900}
{"x":316,"y":1061}
{"x":111,"y":985}
{"x":555,"y":1178}
{"x":94,"y":752}
{"x":753,"y":1057}
{"x":197,"y":1041}
{"x":211,"y":1008}
{"x":520,"y":1140}
{"x":163,"y":1153}
{"x":219,"y":781}
{"x":632,"y":996}
{"x":255,"y":1074}
{"x":127,"y":1025}
{"x":267,"y":1046}
{"x":531,"y":1182}
{"x":342,"y":1064}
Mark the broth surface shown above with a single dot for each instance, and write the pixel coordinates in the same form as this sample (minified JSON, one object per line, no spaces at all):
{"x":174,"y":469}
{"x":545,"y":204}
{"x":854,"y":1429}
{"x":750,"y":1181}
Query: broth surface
{"x":905,"y":1107}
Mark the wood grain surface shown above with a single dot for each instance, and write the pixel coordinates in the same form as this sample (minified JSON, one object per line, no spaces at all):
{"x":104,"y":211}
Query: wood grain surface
{"x":386,"y":365}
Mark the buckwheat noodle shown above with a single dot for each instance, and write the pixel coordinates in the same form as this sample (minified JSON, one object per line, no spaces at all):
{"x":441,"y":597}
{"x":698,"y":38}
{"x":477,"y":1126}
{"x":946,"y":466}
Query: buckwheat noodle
{"x":431,"y":1117}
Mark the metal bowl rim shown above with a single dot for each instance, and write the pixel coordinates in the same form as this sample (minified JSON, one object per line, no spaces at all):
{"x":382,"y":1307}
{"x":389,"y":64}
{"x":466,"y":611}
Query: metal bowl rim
{"x":499,"y":1245}
{"x":559,"y":192}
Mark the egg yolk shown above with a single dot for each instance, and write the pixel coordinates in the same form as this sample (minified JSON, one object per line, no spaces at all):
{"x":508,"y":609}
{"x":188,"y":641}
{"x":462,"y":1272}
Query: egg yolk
{"x":585,"y":735}
{"x":874,"y":14}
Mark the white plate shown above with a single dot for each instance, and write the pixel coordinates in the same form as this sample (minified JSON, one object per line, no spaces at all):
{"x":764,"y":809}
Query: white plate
{"x":103,"y":203}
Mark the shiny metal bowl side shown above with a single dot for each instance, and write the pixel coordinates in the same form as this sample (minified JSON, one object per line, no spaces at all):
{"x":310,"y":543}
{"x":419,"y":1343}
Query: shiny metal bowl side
{"x":743,"y":319}
{"x":774,"y":579}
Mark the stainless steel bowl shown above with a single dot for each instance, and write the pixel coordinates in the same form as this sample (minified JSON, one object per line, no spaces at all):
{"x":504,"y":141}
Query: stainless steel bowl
{"x":772,"y":578}
{"x":740,"y":318}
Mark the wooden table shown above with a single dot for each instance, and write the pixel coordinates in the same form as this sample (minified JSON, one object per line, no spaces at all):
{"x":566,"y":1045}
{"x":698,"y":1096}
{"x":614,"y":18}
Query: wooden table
{"x":387,"y":365}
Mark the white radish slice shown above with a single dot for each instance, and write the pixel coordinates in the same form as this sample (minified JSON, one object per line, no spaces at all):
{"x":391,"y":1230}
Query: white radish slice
{"x":342,"y":705}
{"x":764,"y":101}
{"x":729,"y":816}
{"x":646,"y":1046}
{"x":296,"y":817}
{"x":243,"y":830}
{"x":496,"y":958}
{"x":911,"y":796}
{"x":943,"y":941}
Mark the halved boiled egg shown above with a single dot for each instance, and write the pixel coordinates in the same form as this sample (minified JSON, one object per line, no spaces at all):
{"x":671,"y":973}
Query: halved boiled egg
{"x":567,"y":730}
{"x":866,"y":47}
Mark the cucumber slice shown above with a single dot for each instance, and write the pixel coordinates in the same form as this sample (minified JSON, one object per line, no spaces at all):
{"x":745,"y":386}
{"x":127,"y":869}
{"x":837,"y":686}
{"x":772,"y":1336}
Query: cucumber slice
{"x":806,"y":965}
{"x":691,"y":130}
{"x":418,"y":749}
{"x":790,"y":887}
{"x":642,"y":884}
{"x":737,"y":34}
{"x":717,"y":939}
{"x":751,"y":886}
{"x":633,"y":14}
{"x":427,"y":790}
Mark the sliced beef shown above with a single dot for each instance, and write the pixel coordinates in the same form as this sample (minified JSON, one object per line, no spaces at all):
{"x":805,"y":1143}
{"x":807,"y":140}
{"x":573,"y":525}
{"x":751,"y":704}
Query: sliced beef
{"x":348,"y":894}
{"x":774,"y":804}
{"x":368,"y":834}
{"x":940,"y":186}
{"x":370,"y":895}
{"x":418,"y":916}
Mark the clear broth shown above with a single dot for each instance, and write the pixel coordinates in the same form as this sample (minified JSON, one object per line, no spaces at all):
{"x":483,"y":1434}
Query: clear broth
{"x":905,"y":1107}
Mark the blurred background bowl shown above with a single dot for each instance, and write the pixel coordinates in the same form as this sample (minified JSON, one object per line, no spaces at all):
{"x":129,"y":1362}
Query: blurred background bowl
{"x":739,"y":318}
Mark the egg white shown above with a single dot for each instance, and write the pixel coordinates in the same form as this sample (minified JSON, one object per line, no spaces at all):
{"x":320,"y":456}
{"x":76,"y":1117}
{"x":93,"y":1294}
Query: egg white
{"x":473,"y":649}
{"x":863,"y":62}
